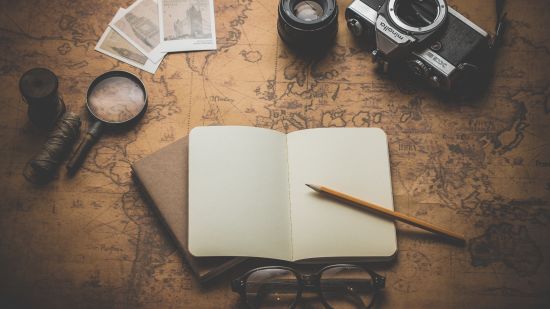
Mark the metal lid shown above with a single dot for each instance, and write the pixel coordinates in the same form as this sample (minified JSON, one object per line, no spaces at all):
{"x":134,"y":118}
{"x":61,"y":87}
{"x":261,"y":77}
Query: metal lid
{"x":38,"y":83}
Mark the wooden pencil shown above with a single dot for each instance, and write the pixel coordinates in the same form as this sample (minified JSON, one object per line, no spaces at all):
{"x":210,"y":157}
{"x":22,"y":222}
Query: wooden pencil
{"x":389,"y":213}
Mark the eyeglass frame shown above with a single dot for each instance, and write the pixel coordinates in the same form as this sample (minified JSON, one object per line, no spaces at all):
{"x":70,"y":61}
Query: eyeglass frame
{"x":313,"y":281}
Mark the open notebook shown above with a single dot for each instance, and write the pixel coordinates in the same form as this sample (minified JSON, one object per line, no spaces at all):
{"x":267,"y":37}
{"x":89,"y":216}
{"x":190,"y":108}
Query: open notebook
{"x":162,"y":178}
{"x":247,"y":193}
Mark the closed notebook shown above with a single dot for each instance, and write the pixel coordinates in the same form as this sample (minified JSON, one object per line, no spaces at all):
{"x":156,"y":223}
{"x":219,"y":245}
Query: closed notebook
{"x":248,"y":194}
{"x":163,"y":176}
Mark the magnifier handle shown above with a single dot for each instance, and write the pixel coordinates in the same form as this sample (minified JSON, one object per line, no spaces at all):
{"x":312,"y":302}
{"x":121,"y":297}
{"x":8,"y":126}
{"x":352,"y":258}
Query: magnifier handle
{"x":84,"y":146}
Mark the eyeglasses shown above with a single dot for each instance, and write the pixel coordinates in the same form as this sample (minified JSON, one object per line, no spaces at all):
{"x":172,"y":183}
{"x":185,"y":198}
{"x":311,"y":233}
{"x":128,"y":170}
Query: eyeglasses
{"x":338,"y":286}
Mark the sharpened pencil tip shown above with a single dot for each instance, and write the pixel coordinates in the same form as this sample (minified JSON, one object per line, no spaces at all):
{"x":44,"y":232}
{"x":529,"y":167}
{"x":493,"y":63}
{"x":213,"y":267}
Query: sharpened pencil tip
{"x":314,"y":187}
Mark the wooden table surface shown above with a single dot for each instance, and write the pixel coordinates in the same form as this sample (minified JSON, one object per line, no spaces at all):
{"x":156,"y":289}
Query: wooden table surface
{"x":480,"y":167}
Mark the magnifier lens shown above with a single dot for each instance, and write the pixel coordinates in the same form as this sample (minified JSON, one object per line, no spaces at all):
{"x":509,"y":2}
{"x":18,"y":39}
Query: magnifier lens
{"x":116,"y":99}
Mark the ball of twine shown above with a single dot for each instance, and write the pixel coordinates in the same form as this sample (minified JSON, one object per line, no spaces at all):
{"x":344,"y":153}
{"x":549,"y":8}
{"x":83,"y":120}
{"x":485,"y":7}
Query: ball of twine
{"x":44,"y":164}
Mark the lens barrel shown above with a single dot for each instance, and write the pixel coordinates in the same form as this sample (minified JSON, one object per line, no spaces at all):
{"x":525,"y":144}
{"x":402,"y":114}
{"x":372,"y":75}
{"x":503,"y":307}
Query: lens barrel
{"x":308,"y":25}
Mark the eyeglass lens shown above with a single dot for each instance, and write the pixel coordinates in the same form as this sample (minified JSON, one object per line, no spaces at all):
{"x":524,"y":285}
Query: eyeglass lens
{"x":271,"y":288}
{"x":347,"y":287}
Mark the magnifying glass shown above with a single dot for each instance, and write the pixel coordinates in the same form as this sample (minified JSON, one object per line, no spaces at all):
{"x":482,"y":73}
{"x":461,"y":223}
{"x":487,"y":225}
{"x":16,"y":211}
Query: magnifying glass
{"x":115,"y":98}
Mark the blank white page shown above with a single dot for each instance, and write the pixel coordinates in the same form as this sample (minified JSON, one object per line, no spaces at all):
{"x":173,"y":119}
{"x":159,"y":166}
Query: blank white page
{"x":354,"y":161}
{"x":238,"y":192}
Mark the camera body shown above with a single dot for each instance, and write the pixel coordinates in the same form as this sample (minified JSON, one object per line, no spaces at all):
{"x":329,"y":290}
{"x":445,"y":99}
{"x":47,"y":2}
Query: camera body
{"x":435,"y":42}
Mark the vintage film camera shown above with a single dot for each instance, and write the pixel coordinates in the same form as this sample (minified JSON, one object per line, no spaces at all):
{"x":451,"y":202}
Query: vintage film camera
{"x":435,"y":42}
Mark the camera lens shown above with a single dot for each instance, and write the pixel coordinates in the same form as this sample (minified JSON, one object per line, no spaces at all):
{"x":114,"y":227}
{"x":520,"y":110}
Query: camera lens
{"x":307,"y":25}
{"x":308,"y":10}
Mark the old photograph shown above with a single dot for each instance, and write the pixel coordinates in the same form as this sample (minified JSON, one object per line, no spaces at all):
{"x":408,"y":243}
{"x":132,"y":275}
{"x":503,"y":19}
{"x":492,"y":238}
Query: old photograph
{"x":140,"y":26}
{"x":187,"y":25}
{"x":114,"y":45}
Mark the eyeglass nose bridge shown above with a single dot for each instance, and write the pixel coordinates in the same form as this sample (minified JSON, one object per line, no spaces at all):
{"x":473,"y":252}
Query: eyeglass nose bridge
{"x":310,"y":280}
{"x":379,"y":281}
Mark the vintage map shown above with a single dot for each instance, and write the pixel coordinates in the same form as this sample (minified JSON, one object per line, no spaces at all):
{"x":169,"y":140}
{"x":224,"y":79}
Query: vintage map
{"x":480,"y":167}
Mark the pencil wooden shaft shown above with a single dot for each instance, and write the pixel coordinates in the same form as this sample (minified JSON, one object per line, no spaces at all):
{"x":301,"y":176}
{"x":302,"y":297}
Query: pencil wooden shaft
{"x":394,"y":214}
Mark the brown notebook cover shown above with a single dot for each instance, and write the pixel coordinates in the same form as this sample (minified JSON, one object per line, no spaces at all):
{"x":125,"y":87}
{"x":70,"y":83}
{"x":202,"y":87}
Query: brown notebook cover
{"x":163,"y":177}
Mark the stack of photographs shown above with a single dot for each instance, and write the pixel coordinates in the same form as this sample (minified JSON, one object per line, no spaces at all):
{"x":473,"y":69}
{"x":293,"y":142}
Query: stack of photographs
{"x":145,"y":32}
